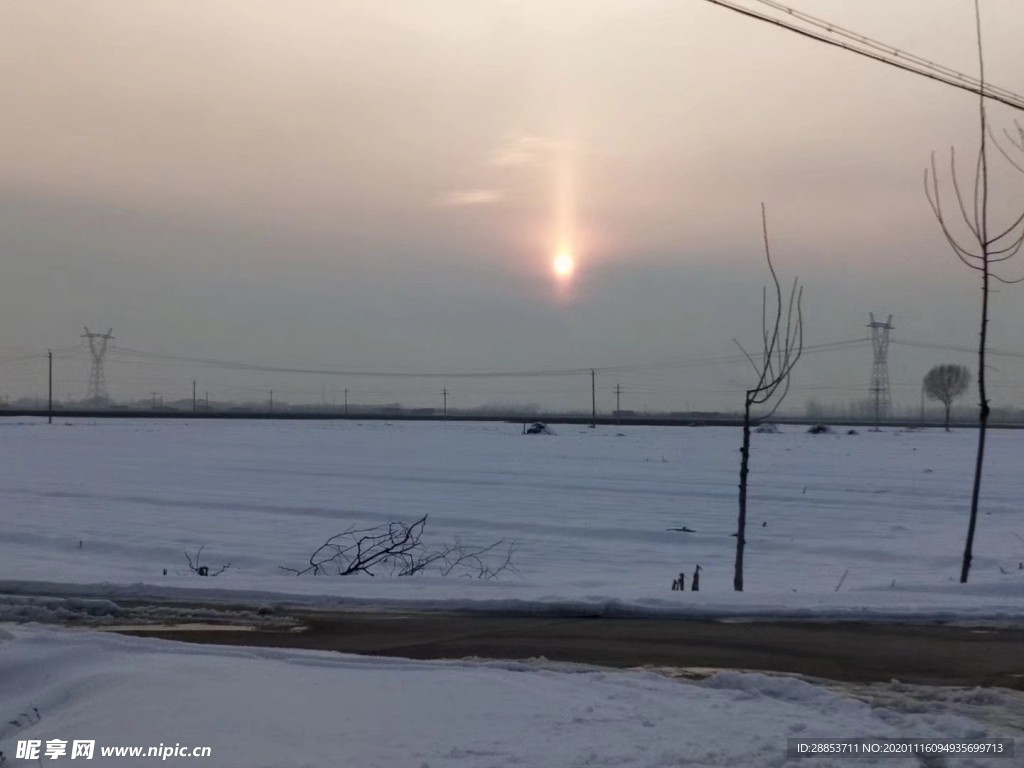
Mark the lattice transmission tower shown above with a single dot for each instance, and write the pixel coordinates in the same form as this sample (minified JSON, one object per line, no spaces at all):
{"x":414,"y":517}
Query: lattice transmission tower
{"x":97,"y":382}
{"x":879,"y":389}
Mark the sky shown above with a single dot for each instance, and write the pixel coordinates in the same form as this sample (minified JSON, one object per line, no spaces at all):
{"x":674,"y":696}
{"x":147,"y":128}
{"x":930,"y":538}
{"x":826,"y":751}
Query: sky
{"x":385,"y":187}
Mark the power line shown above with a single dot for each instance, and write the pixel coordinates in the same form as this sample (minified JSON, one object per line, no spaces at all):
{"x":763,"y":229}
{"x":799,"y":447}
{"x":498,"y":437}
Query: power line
{"x":20,"y":359}
{"x":663,"y":370}
{"x":884,"y":48}
{"x":877,"y":51}
{"x":667,"y":364}
{"x":954,"y":348}
{"x":234,"y":365}
{"x":682,"y":362}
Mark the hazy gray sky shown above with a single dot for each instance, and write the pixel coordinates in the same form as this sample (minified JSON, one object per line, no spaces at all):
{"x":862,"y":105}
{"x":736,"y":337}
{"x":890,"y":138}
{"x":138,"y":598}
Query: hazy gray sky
{"x":385,"y":185}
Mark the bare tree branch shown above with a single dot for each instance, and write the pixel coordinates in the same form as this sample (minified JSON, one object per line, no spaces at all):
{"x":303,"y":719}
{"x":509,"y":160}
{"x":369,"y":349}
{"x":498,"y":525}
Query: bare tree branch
{"x":1006,"y":281}
{"x":1008,"y":231}
{"x":203,"y":570}
{"x":399,"y":547}
{"x":755,"y":366}
{"x":971,"y":224}
{"x":1002,"y":150}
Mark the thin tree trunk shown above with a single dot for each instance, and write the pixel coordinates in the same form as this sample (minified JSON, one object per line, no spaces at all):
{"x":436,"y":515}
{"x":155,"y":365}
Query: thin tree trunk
{"x":965,"y":568}
{"x":982,"y":214}
{"x":948,"y":405}
{"x":741,"y":526}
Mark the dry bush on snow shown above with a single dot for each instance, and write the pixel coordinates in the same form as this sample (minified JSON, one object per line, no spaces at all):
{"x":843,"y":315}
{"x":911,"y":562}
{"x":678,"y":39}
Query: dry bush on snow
{"x":398,"y":549}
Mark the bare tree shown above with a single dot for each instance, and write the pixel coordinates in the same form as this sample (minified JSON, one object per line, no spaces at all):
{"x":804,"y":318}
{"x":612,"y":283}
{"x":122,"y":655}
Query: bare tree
{"x":782,"y":341}
{"x":946,"y":383}
{"x":982,"y":248}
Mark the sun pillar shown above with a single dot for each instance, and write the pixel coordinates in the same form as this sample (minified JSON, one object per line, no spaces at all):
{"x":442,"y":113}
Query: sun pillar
{"x":564,"y":259}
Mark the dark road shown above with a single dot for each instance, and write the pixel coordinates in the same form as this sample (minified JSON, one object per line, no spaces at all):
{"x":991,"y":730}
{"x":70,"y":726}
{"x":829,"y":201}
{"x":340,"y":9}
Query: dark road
{"x":922,"y":654}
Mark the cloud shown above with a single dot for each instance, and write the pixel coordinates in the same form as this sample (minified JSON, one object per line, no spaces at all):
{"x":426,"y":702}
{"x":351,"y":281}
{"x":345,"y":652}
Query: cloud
{"x":522,"y":149}
{"x":515,"y":152}
{"x":468,"y":197}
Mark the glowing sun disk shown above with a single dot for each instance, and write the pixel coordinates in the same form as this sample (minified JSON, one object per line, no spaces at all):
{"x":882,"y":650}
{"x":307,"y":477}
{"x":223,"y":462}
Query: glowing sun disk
{"x":564,"y":264}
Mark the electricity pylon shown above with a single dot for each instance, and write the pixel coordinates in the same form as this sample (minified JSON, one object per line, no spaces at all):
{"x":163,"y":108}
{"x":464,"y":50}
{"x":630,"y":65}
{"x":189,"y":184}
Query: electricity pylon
{"x":880,"y":367}
{"x":97,"y":382}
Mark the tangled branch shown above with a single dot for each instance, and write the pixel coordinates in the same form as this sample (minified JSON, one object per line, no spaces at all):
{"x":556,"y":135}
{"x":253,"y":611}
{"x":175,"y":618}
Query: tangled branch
{"x":398,"y":548}
{"x":203,"y":570}
{"x":782,"y":338}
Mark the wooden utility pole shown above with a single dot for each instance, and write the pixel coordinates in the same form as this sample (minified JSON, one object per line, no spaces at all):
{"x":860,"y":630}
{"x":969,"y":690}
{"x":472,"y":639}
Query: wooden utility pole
{"x":618,"y":409}
{"x":271,"y":401}
{"x":593,"y":399}
{"x":346,"y":401}
{"x":193,"y":395}
{"x":49,"y":398}
{"x":444,"y":394}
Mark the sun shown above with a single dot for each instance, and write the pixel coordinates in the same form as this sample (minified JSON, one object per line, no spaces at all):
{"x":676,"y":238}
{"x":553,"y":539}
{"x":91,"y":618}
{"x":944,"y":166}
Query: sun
{"x":564,"y":264}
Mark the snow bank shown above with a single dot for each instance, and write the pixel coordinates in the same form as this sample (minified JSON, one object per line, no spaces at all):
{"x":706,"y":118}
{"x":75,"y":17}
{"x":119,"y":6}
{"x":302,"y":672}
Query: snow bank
{"x":261,"y":707}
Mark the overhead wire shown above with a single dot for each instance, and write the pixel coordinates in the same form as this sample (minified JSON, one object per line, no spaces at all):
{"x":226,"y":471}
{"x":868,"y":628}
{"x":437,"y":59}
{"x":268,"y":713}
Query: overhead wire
{"x":929,"y":64}
{"x":954,"y":348}
{"x":492,"y":374}
{"x":872,"y":49}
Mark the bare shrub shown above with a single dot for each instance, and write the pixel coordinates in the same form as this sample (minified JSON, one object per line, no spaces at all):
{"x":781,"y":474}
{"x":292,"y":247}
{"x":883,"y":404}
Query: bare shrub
{"x":399,"y":549}
{"x":203,"y":570}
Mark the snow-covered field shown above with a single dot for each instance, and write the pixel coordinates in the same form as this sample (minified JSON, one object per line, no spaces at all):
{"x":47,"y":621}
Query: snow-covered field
{"x":103,"y":508}
{"x":95,"y":510}
{"x":257,"y":708}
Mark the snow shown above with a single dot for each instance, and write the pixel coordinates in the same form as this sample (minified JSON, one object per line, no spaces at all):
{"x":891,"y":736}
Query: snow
{"x":96,"y":513}
{"x":98,"y":510}
{"x":263,"y":707}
